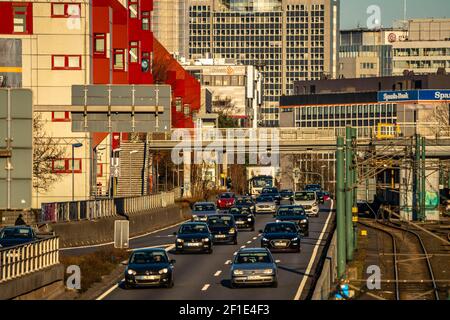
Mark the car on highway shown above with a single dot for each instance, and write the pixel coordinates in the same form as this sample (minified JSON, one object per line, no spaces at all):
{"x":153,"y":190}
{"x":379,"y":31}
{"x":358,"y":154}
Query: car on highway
{"x":313,"y":187}
{"x":253,"y":266}
{"x":281,"y":236}
{"x":149,"y":267}
{"x":16,"y":235}
{"x":245,"y":202}
{"x":273,"y":192}
{"x":287,"y":194}
{"x":294,"y":214}
{"x":194,"y":236}
{"x":226,"y":200}
{"x":308,"y":200}
{"x":201,"y":210}
{"x":244,"y":218}
{"x":265,"y":204}
{"x":223,"y":228}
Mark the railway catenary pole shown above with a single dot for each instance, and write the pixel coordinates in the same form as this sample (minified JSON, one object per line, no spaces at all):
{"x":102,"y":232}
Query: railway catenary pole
{"x":355,"y":190}
{"x":416,"y":180}
{"x":348,"y":193}
{"x":423,"y":181}
{"x":340,"y":208}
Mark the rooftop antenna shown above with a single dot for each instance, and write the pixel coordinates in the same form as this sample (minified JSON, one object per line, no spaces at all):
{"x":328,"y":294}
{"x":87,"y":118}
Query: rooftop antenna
{"x":404,"y":10}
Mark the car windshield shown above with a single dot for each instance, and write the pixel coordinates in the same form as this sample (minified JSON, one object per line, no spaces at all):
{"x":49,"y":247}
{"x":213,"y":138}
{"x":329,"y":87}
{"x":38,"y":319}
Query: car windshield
{"x":286,"y":191}
{"x":225,"y":196}
{"x":193,"y":228}
{"x":269,"y":190}
{"x":253,"y":257}
{"x":145,"y":257}
{"x":280,"y":228}
{"x":16,"y":233}
{"x":235,"y":211}
{"x":204,"y":207}
{"x":220,"y":220}
{"x":262,"y":182}
{"x":312,"y":187}
{"x":305,"y":196}
{"x":264,"y":199}
{"x":291,"y":212}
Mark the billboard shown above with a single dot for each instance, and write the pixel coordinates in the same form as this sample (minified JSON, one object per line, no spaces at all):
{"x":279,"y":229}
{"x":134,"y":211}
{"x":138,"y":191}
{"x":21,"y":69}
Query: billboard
{"x":16,"y":140}
{"x":414,"y":95}
{"x":11,"y":63}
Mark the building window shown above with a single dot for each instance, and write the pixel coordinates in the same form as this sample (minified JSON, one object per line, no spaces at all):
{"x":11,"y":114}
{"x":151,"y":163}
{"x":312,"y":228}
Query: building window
{"x":99,"y":169}
{"x":66,"y":10}
{"x":20,"y":20}
{"x":61,"y":116}
{"x":146,"y":20}
{"x":187,"y":110}
{"x":119,"y":59}
{"x":65,"y":165}
{"x":133,"y":7}
{"x":64,"y":62}
{"x":99,"y":43}
{"x":178,"y":104}
{"x":134,"y":52}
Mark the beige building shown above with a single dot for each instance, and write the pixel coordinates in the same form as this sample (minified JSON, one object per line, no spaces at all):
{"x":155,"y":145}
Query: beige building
{"x":426,"y":48}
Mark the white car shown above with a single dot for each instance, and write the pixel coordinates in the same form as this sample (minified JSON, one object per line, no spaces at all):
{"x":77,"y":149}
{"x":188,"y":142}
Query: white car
{"x":265,"y":204}
{"x":309,"y":201}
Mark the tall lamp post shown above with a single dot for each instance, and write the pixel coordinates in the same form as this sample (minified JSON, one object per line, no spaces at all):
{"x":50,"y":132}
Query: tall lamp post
{"x":129,"y":168}
{"x":74,"y":145}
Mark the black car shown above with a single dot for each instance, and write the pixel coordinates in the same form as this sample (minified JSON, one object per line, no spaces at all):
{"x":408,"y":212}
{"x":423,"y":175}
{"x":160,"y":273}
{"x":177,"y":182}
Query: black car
{"x":243,"y":217}
{"x":281,"y":236}
{"x":223,"y":228}
{"x":272,"y":192}
{"x":287,"y":194}
{"x":149,"y":267}
{"x":13,"y":236}
{"x":294,"y":213}
{"x":194,"y":236}
{"x":245,"y":202}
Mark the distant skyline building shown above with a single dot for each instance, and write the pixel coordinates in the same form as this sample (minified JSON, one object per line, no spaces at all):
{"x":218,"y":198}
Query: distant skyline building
{"x":287,"y":39}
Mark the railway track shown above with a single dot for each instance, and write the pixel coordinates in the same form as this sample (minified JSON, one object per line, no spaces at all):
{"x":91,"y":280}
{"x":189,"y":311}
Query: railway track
{"x":413,"y":276}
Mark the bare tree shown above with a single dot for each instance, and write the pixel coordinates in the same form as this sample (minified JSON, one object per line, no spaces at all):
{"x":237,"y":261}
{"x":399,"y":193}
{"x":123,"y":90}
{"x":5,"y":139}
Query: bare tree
{"x":225,"y":108}
{"x":439,"y":117}
{"x":45,"y":150}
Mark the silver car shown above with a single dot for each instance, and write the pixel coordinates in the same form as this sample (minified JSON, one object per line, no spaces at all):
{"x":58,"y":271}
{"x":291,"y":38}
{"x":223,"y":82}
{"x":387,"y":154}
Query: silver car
{"x":309,"y":201}
{"x":265,"y":204}
{"x":254,"y":266}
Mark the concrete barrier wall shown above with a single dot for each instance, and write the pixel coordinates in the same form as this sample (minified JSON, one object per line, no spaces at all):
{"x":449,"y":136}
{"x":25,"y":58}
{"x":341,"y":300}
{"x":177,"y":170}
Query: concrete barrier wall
{"x":326,"y":282}
{"x":81,"y":233}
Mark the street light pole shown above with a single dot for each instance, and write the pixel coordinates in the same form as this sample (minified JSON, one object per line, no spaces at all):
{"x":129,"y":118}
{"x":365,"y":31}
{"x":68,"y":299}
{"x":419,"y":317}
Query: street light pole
{"x":74,"y":145}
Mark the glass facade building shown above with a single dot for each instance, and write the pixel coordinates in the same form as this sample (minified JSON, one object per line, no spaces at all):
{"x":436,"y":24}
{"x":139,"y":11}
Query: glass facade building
{"x":286,"y":39}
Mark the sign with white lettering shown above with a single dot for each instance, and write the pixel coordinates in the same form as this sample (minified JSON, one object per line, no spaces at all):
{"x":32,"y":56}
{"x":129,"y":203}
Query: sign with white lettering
{"x":414,"y":95}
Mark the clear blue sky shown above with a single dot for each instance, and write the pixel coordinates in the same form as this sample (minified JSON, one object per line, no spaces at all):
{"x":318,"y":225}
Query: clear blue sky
{"x":354,"y":11}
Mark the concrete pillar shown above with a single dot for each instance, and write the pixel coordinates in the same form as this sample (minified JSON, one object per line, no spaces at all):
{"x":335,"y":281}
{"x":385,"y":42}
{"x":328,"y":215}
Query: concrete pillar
{"x":406,"y":191}
{"x":187,"y":174}
{"x":431,"y":190}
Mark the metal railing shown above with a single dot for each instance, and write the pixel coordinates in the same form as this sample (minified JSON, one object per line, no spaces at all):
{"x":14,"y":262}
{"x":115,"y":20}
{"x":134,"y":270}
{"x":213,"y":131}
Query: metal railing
{"x":101,"y":208}
{"x":23,"y":259}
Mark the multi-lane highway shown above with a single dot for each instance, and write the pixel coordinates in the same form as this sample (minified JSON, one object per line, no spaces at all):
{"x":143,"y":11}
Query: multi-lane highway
{"x":206,"y":276}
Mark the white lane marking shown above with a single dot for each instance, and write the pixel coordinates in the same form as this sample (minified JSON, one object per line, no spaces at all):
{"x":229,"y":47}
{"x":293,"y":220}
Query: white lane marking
{"x":205,"y":287}
{"x":132,"y":238}
{"x":254,"y":238}
{"x":218,"y":272}
{"x":277,"y":261}
{"x":242,"y":247}
{"x":107,"y":292}
{"x":313,"y":256}
{"x":259,"y":234}
{"x":235,"y":253}
{"x":228,"y":262}
{"x":151,"y":247}
{"x":249,"y":242}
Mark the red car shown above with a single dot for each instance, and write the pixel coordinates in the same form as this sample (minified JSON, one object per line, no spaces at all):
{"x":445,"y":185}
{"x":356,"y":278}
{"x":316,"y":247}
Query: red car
{"x":226,"y":200}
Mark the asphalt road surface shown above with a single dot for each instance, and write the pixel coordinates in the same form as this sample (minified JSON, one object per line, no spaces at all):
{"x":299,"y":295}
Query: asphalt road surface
{"x":200,"y":276}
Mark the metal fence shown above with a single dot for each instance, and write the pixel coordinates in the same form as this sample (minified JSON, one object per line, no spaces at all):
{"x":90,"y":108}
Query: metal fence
{"x":101,"y":208}
{"x":328,"y":276}
{"x":23,"y":259}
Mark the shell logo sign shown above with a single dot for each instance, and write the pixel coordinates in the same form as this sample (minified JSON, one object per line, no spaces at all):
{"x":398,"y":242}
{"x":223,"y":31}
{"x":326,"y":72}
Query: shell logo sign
{"x":392,"y":37}
{"x":230,"y":70}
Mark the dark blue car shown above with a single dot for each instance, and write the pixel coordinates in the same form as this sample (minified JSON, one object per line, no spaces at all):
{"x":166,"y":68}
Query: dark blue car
{"x":13,"y":236}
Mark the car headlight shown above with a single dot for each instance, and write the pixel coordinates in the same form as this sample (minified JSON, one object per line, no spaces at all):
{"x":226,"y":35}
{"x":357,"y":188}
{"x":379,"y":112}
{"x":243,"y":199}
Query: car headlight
{"x":314,"y":204}
{"x":268,"y":271}
{"x":265,"y":239}
{"x":304,"y":220}
{"x":131,"y":272}
{"x":165,"y":270}
{"x":249,"y":219}
{"x":206,"y":239}
{"x":295,"y":239}
{"x":231,"y":231}
{"x":180,"y":240}
{"x":238,"y":272}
